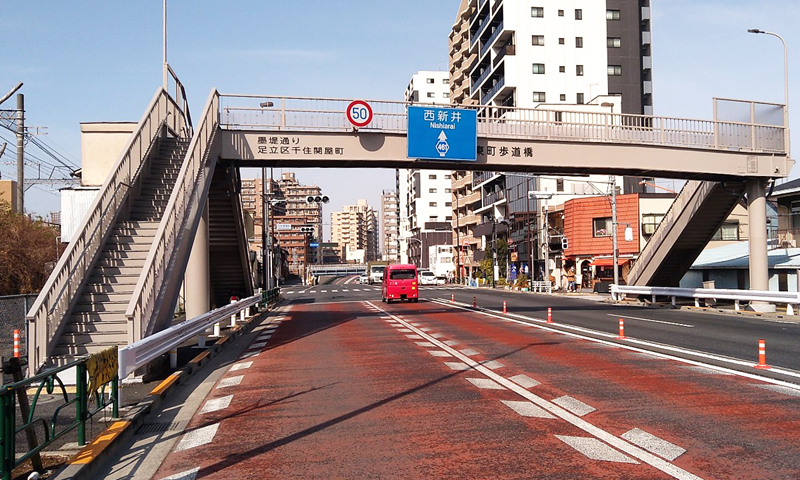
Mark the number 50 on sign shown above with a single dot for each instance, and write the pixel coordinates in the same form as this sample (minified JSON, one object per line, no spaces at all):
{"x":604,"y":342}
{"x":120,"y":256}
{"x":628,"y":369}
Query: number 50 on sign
{"x":359,"y":113}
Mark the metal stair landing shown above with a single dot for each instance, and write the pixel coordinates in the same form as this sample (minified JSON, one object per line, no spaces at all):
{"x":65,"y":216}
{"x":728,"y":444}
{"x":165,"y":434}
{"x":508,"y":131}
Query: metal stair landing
{"x":97,"y":320}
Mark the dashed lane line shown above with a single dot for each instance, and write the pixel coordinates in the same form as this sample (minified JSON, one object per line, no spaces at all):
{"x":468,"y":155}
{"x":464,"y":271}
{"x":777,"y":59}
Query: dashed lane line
{"x":574,"y":405}
{"x":595,"y":449}
{"x":650,"y":320}
{"x":654,"y":444}
{"x":527,"y":409}
{"x":217,"y":404}
{"x":187,"y":475}
{"x":524,"y":380}
{"x":198,"y":437}
{"x":486,"y":384}
{"x":598,"y":433}
{"x":240,"y":366}
{"x":230,"y":381}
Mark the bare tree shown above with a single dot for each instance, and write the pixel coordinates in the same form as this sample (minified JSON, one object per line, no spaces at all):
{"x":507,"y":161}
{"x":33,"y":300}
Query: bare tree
{"x":28,"y":252}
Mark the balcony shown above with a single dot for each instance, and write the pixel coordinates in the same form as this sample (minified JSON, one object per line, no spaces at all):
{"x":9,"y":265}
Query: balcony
{"x":493,"y":198}
{"x":477,"y":83}
{"x":507,"y":49}
{"x":488,"y":96}
{"x":467,"y":220}
{"x":486,"y":46}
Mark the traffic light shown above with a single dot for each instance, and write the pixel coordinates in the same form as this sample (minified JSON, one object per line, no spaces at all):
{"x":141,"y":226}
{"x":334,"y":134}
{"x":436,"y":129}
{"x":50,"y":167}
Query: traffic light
{"x":307,"y":229}
{"x":317,"y":199}
{"x":564,"y":243}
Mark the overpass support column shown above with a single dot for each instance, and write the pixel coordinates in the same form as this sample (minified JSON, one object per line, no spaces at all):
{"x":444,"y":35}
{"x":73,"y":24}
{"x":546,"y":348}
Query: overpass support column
{"x":757,"y":214}
{"x":198,"y":274}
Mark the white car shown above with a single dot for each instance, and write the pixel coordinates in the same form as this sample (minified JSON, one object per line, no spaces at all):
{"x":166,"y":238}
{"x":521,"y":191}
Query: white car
{"x":427,"y":278}
{"x":364,"y":279}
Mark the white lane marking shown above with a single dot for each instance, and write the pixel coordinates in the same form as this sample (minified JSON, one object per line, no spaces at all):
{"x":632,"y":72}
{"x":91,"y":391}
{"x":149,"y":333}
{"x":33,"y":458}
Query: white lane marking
{"x":485,"y":383}
{"x":404,"y":330}
{"x":633,"y":450}
{"x":524,"y":380}
{"x":248,"y":355}
{"x":541,"y":325}
{"x":323,"y":291}
{"x":492,"y":364}
{"x":220,"y":403}
{"x":706,"y":370}
{"x":654,"y":444}
{"x":415,"y":324}
{"x":450,"y":343}
{"x":334,"y":291}
{"x":439,"y":353}
{"x":414,"y":337}
{"x":651,"y":320}
{"x":240,"y":366}
{"x":470,"y":352}
{"x":345,"y":290}
{"x":595,"y":449}
{"x":390,"y":318}
{"x":457,"y":366}
{"x":794,"y":392}
{"x":574,"y":405}
{"x":187,"y":475}
{"x":290,"y":292}
{"x":425,"y":344}
{"x":437,"y":335}
{"x":425,"y":329}
{"x":230,"y":381}
{"x":257,"y":345}
{"x":198,"y":437}
{"x":313,"y":291}
{"x":356,"y":290}
{"x":527,"y":409}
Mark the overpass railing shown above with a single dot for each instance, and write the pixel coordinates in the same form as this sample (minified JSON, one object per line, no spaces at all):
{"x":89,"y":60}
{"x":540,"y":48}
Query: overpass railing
{"x":254,"y":112}
{"x":55,"y":299}
{"x":337,"y":269}
{"x":791,"y":299}
{"x":184,"y":203}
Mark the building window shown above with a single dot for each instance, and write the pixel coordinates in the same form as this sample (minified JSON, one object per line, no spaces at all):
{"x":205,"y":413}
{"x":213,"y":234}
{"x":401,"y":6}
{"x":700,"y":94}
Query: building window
{"x":561,"y":41}
{"x":448,"y":177}
{"x":446,"y":81}
{"x":448,"y":190}
{"x":539,"y":97}
{"x":431,"y":190}
{"x":448,"y":218}
{"x":432,"y":176}
{"x":433,"y":218}
{"x":612,"y":14}
{"x":578,"y":42}
{"x":448,"y":204}
{"x":429,"y":80}
{"x":579,"y":99}
{"x":561,"y":13}
{"x":579,"y":70}
{"x":563,"y":97}
{"x":602,"y":227}
{"x":538,"y":68}
{"x":614,"y":42}
{"x":538,"y":40}
{"x":431,"y":94}
{"x":537,"y":12}
{"x":561,"y":69}
{"x":446,"y":94}
{"x":431,"y":204}
{"x":615,"y":70}
{"x":559,"y":184}
{"x":578,"y":14}
{"x":729,"y":232}
{"x":649,"y":222}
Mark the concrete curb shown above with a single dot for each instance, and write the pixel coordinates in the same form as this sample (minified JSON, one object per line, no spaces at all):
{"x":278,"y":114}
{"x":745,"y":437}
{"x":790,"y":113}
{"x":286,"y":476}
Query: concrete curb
{"x":86,"y":462}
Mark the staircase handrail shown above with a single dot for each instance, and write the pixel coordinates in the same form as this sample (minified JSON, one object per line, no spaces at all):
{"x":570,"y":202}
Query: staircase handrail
{"x":180,"y":92}
{"x":145,"y":298}
{"x":57,"y":296}
{"x":689,"y":190}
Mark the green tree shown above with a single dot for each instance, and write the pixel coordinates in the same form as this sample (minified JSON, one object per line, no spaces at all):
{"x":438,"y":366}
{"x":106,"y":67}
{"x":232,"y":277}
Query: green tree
{"x":28,"y":252}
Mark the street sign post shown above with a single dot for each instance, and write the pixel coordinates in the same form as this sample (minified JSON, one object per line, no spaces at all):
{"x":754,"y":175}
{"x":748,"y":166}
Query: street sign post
{"x":359,"y":113}
{"x":442,"y":133}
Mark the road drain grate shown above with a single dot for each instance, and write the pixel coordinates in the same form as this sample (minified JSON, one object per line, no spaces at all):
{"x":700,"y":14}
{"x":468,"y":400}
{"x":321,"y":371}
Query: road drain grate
{"x":150,"y":428}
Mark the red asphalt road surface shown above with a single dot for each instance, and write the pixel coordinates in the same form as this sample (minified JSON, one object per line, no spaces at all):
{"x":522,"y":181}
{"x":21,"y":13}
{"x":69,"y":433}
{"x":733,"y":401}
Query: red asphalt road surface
{"x":341,"y":391}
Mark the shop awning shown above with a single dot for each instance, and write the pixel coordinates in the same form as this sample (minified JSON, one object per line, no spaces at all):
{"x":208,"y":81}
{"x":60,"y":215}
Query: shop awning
{"x":607,"y":262}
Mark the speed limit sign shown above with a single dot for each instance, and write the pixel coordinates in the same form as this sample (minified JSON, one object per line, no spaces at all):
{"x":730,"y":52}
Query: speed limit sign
{"x":359,"y":113}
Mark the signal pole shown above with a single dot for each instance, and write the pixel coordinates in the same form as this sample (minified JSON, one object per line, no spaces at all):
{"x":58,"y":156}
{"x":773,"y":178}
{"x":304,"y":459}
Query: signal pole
{"x":21,"y":153}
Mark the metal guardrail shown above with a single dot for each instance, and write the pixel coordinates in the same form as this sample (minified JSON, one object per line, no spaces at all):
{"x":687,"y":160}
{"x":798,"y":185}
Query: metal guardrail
{"x":353,"y":269}
{"x":184,"y":203}
{"x":56,"y":426}
{"x":66,"y":280}
{"x":327,"y":114}
{"x":789,"y":298}
{"x":144,"y":351}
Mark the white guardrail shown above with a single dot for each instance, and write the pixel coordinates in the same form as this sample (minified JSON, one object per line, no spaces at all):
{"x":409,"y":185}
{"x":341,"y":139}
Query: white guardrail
{"x":791,"y":299}
{"x":146,"y":350}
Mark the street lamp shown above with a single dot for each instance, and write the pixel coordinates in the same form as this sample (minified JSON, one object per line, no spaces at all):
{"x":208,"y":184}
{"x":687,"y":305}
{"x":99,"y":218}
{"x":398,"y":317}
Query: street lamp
{"x":785,"y":84}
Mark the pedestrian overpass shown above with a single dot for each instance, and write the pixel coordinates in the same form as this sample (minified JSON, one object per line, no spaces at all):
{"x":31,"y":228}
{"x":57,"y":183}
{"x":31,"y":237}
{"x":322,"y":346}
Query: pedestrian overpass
{"x":169,"y":212}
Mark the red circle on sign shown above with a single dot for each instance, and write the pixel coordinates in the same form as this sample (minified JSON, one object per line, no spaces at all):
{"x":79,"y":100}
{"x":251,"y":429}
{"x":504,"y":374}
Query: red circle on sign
{"x":359,"y":113}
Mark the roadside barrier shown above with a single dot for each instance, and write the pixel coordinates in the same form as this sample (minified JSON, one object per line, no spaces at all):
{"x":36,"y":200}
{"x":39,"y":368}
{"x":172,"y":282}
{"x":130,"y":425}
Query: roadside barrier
{"x":621,"y":330}
{"x":549,"y":315}
{"x":452,"y":297}
{"x":16,"y":343}
{"x":762,"y":355}
{"x":474,"y":302}
{"x":504,"y":307}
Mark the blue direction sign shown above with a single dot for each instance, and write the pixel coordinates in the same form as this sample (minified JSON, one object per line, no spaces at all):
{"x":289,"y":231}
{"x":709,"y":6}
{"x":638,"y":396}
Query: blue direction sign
{"x":313,"y":244}
{"x":442,"y":133}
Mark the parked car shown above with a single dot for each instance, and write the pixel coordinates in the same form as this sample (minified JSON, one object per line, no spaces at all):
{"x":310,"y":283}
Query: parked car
{"x":400,"y":283}
{"x":427,"y":278}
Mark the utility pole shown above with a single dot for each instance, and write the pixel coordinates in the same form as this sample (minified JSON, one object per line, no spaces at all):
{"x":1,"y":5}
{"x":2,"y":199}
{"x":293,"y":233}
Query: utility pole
{"x":613,"y":182}
{"x":21,"y":153}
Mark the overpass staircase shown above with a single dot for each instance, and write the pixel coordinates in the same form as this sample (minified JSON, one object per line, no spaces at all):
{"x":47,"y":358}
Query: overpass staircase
{"x":694,"y":217}
{"x":120,"y":278}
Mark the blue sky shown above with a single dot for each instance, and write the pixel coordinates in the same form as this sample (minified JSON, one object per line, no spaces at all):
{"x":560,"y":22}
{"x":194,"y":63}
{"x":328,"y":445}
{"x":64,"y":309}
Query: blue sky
{"x":86,"y":61}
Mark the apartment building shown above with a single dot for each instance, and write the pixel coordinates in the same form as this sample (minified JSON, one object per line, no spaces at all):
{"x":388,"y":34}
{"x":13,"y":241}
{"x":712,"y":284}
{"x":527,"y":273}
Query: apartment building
{"x":390,"y":214}
{"x":561,"y":55}
{"x":425,"y":198}
{"x":355,"y":230}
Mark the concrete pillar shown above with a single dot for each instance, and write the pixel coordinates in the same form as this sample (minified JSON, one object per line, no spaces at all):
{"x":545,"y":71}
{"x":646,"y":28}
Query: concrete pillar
{"x":757,"y":214}
{"x":198,"y":275}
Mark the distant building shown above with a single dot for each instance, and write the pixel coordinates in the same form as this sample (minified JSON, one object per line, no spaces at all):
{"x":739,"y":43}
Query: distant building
{"x":390,"y":215}
{"x":8,"y":195}
{"x":355,"y":230}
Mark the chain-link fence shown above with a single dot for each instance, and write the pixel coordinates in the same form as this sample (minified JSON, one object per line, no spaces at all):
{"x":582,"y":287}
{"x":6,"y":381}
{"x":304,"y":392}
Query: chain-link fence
{"x":12,"y":317}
